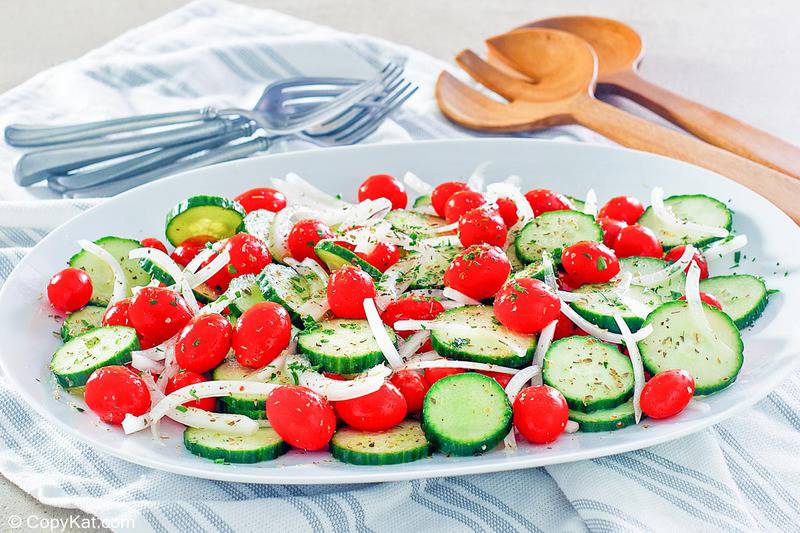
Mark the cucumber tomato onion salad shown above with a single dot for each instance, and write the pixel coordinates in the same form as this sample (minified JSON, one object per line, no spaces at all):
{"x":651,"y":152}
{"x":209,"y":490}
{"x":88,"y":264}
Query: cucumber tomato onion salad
{"x":383,"y":330}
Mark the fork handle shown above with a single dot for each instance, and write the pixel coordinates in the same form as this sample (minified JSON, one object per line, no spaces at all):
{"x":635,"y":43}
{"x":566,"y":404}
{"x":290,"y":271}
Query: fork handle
{"x":22,"y":135}
{"x":38,"y":165}
{"x":635,"y":132}
{"x":712,"y":126}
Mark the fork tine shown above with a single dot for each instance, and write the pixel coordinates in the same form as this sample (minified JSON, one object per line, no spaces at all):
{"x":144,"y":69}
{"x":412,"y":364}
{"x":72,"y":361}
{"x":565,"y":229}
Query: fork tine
{"x":368,"y":126}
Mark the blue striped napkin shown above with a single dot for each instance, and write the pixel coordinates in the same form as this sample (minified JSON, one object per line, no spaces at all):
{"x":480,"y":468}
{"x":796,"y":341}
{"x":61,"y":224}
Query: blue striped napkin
{"x":742,"y":475}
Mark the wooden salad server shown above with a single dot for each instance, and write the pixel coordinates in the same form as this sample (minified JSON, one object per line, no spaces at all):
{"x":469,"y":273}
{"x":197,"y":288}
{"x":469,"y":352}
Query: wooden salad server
{"x":560,"y":71}
{"x":619,"y":51}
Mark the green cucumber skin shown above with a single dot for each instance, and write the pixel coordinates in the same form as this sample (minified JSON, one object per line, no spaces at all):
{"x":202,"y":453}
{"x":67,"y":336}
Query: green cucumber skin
{"x":266,"y":453}
{"x":135,"y":276}
{"x":271,"y":294}
{"x":605,"y":419}
{"x":230,"y":404}
{"x":701,"y":388}
{"x":581,"y":404}
{"x":512,"y":361}
{"x":452,"y":445}
{"x":156,"y":272}
{"x":342,"y":364}
{"x":342,"y":253}
{"x":756,"y":310}
{"x":668,"y":244}
{"x":79,"y":378}
{"x":347,"y":454}
{"x":251,"y":295}
{"x":522,"y":237}
{"x":423,"y":200}
{"x":175,"y":214}
{"x":93,"y":321}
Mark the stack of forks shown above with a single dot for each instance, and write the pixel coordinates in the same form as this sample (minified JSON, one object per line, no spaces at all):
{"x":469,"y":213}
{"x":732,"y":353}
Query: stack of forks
{"x":104,"y":158}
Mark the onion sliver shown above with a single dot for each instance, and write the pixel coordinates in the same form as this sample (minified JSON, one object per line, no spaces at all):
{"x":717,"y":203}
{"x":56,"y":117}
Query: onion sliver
{"x":572,"y":427}
{"x":590,"y":205}
{"x":513,"y":388}
{"x":722,"y":248}
{"x":336,"y":390}
{"x":168,"y":265}
{"x":194,"y":265}
{"x":544,"y":341}
{"x":417,"y":184}
{"x":459,"y":297}
{"x":549,"y":270}
{"x":511,"y":191}
{"x":120,"y":283}
{"x":413,"y":343}
{"x":636,"y":361}
{"x":477,"y":179}
{"x":665,"y":215}
{"x":669,"y":271}
{"x":450,"y":363}
{"x":205,"y":273}
{"x":143,"y":363}
{"x":600,"y":333}
{"x":379,"y":332}
{"x":227,"y":423}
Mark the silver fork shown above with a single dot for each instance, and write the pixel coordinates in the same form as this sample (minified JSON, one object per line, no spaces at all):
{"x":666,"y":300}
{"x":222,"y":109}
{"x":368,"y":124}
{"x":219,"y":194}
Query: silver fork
{"x":351,"y":128}
{"x":41,"y":164}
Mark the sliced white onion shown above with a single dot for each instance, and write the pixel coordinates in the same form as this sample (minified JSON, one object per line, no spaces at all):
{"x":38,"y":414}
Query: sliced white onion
{"x":671,"y":270}
{"x":395,"y":280}
{"x":511,"y":191}
{"x":451,"y":363}
{"x":335,"y":390}
{"x":308,"y":266}
{"x":144,"y":363}
{"x":413,"y":343}
{"x":194,"y":265}
{"x":477,"y":179}
{"x":435,"y":242}
{"x":549,"y":270}
{"x":277,"y":365}
{"x":600,"y":333}
{"x":665,"y":215}
{"x":205,"y":273}
{"x":514,"y":180}
{"x":513,"y":388}
{"x":459,"y":297}
{"x":168,"y":265}
{"x":417,"y":184}
{"x":300,"y":190}
{"x":206,"y":389}
{"x":590,"y":205}
{"x":446,"y":228}
{"x":636,"y":361}
{"x":572,"y":427}
{"x":227,"y":423}
{"x":379,"y":332}
{"x":120,"y":283}
{"x":544,"y":341}
{"x":722,"y":248}
{"x":170,"y":364}
{"x":366,"y":213}
{"x":695,"y":303}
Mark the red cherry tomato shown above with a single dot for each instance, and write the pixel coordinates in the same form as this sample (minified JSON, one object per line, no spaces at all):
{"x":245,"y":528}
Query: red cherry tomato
{"x":482,"y":225}
{"x":443,"y":192}
{"x":675,"y":254}
{"x":184,"y":379}
{"x":499,"y":377}
{"x":413,"y":387}
{"x":707,"y":298}
{"x":304,"y":236}
{"x":249,"y":254}
{"x":461,"y":202}
{"x":261,"y":334}
{"x":384,"y":186}
{"x":566,"y":328}
{"x":544,"y":200}
{"x":540,"y":414}
{"x":189,"y":248}
{"x":348,"y":287}
{"x":412,"y":308}
{"x":158,"y":313}
{"x":378,"y":411}
{"x":479,"y":271}
{"x":508,"y":211}
{"x":611,"y":229}
{"x":262,"y":198}
{"x":114,"y":391}
{"x":637,"y":240}
{"x":221,"y":279}
{"x":204,"y":342}
{"x":69,"y":290}
{"x":301,"y":417}
{"x":590,"y":262}
{"x":432,"y":375}
{"x":567,"y":282}
{"x":117,"y":313}
{"x":384,"y":255}
{"x":150,"y":242}
{"x":667,"y":393}
{"x":625,"y":208}
{"x":526,"y":305}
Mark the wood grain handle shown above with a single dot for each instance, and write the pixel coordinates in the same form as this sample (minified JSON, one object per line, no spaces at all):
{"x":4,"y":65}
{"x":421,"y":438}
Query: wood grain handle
{"x":634,"y":132}
{"x":712,"y":126}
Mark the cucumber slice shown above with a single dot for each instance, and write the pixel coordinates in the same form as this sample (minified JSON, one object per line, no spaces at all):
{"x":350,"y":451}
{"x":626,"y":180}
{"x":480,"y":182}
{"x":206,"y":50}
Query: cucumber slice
{"x":244,"y":403}
{"x":697,"y":208}
{"x":250,"y":291}
{"x":484,"y":339}
{"x":466,"y":414}
{"x":342,"y":346}
{"x":74,"y":362}
{"x":605,"y":419}
{"x":82,"y":321}
{"x":214,"y":216}
{"x":743,"y":297}
{"x":404,"y":443}
{"x":336,"y":256}
{"x":430,"y":275}
{"x":577,"y":203}
{"x":263,"y":445}
{"x":258,"y":223}
{"x":284,"y":286}
{"x":553,"y":231}
{"x":101,"y":274}
{"x":415,"y":225}
{"x":678,"y":341}
{"x":533,"y":270}
{"x":156,"y":272}
{"x":513,"y":259}
{"x":600,"y":310}
{"x":423,"y":200}
{"x":205,"y":294}
{"x":590,"y":374}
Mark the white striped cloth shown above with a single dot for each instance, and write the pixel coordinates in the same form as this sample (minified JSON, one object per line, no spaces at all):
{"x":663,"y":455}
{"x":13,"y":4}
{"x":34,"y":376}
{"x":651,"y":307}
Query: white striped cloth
{"x":742,"y":475}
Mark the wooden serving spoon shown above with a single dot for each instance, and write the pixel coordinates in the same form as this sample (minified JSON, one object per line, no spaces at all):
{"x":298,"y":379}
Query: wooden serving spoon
{"x":562,"y":71}
{"x":619,"y":50}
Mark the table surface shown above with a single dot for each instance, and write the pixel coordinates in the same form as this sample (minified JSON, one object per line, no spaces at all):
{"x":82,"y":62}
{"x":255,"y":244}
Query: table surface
{"x":738,"y":56}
